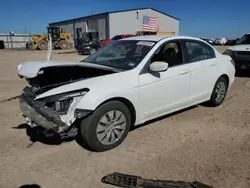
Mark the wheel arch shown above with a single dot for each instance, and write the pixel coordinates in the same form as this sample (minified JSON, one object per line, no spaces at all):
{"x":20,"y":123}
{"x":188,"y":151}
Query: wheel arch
{"x":226,"y":77}
{"x":127,"y":103}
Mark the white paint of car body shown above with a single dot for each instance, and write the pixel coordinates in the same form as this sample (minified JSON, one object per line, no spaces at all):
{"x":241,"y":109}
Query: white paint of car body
{"x":242,"y":47}
{"x":69,"y":118}
{"x":158,"y":66}
{"x":152,"y":96}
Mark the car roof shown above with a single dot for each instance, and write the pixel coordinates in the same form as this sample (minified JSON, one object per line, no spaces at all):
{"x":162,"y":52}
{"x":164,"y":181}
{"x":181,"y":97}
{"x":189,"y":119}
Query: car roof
{"x":157,"y":38}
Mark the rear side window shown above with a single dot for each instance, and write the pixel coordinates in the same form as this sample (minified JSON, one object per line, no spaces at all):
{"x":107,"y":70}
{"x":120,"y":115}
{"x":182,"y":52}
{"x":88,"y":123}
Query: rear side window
{"x":197,"y":51}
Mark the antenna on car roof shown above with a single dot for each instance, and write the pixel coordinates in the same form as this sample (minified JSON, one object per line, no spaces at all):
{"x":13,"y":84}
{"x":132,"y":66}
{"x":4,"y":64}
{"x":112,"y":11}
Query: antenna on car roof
{"x":49,"y":51}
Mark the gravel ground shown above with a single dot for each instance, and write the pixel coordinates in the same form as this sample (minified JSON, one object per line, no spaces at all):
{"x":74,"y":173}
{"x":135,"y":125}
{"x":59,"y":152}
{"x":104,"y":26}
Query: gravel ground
{"x":210,"y":145}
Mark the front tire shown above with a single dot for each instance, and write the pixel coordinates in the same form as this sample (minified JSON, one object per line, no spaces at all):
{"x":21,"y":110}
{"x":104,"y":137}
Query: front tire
{"x":106,"y":127}
{"x":42,"y":45}
{"x":219,"y":92}
{"x":63,"y":44}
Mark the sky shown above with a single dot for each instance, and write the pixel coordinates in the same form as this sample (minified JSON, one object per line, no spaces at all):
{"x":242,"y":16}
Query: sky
{"x":198,"y":18}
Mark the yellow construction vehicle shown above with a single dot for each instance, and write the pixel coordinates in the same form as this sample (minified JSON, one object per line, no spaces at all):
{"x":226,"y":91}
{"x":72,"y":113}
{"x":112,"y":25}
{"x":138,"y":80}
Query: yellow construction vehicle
{"x":60,"y":40}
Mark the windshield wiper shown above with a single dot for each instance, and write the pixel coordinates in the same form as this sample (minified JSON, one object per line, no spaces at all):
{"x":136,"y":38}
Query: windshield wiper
{"x":130,"y":181}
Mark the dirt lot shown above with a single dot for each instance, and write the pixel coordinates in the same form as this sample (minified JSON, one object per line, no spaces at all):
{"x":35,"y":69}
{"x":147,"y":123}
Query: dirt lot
{"x":211,"y":145}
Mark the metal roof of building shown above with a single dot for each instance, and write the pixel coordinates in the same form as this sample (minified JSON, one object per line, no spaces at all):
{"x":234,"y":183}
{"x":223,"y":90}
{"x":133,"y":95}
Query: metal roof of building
{"x":104,"y":13}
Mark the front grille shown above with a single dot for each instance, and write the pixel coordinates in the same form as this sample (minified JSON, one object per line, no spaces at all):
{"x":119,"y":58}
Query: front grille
{"x":243,"y":53}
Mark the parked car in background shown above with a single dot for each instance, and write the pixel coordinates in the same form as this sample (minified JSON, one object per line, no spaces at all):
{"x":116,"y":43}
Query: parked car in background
{"x":116,"y":37}
{"x":89,"y":47}
{"x":208,"y":40}
{"x":240,"y":52}
{"x":116,"y":88}
{"x":87,"y":42}
{"x":220,"y":41}
{"x":231,"y":42}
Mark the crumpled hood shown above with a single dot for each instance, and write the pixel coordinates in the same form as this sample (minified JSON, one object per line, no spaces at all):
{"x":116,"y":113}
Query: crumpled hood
{"x":244,"y":47}
{"x":106,"y":83}
{"x":31,"y":69}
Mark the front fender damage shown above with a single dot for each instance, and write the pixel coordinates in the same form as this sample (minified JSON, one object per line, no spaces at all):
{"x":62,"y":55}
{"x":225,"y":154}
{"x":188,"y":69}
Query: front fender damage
{"x":38,"y":114}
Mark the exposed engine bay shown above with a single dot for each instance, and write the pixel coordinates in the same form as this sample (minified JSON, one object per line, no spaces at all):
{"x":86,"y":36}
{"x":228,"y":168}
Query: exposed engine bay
{"x":51,"y":77}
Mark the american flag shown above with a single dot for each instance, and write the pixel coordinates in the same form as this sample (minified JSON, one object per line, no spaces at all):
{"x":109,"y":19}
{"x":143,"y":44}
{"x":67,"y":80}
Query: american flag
{"x":150,"y":24}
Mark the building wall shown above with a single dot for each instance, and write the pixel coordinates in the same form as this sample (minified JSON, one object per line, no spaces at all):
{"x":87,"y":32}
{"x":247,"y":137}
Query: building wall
{"x":128,"y":23}
{"x":123,"y":23}
{"x":95,"y":23}
{"x":112,"y":24}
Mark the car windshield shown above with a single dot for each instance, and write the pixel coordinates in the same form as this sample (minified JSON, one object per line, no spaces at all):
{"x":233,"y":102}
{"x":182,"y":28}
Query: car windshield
{"x":245,"y":39}
{"x":117,"y":37}
{"x":122,"y":54}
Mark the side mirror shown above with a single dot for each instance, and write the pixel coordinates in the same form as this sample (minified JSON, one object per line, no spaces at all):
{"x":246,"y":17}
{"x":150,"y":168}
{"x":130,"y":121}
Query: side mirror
{"x":158,"y":66}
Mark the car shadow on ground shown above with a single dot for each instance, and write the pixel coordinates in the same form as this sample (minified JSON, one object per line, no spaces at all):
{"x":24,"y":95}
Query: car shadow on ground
{"x":69,"y":52}
{"x":30,"y":186}
{"x":36,"y":137}
{"x":243,"y":73}
{"x":52,"y":140}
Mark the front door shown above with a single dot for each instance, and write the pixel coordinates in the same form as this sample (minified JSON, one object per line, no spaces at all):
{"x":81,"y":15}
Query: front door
{"x":163,"y":92}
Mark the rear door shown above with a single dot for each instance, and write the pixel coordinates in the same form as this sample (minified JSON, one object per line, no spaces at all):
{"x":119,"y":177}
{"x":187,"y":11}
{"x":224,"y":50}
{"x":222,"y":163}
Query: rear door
{"x":203,"y":68}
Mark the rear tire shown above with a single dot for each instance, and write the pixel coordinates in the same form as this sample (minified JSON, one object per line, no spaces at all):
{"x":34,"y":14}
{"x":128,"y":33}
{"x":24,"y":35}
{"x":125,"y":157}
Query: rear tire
{"x":63,"y":44}
{"x":101,"y":133}
{"x":42,"y":45}
{"x":219,"y":92}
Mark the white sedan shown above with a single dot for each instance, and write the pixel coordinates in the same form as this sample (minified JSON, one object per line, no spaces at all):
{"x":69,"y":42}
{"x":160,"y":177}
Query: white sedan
{"x":124,"y":84}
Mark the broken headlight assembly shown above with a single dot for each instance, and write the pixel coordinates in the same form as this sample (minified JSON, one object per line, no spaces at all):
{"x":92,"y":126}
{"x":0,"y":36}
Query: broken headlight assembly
{"x":60,"y":103}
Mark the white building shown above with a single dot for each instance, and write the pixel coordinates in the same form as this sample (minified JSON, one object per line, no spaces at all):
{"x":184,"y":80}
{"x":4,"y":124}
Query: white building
{"x":109,"y":24}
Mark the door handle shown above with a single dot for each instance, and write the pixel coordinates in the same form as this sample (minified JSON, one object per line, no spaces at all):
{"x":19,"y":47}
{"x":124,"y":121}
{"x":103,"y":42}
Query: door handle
{"x":183,"y":72}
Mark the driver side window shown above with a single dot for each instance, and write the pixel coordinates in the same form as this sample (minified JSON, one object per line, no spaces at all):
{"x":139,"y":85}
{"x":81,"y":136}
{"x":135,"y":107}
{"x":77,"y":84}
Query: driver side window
{"x":170,"y":53}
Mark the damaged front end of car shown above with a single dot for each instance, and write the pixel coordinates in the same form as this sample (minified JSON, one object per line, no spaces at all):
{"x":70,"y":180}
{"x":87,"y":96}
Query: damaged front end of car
{"x":55,"y":111}
{"x":55,"y":114}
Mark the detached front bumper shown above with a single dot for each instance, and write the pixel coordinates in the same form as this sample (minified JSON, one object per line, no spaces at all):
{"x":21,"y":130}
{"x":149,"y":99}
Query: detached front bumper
{"x":40,"y":116}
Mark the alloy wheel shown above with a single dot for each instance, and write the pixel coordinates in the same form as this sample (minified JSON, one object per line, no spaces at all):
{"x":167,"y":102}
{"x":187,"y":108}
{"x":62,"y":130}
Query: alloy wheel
{"x":111,"y":127}
{"x":220,"y":91}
